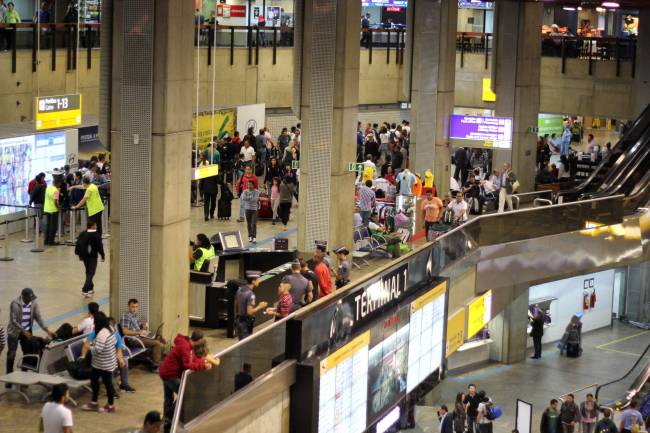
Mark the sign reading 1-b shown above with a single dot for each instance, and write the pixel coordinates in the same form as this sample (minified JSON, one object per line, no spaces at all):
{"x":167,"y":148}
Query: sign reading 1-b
{"x":57,"y":111}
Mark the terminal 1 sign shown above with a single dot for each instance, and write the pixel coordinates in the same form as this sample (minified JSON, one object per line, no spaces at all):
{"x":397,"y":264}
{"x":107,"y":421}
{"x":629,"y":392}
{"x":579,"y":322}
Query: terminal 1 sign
{"x":54,"y":112}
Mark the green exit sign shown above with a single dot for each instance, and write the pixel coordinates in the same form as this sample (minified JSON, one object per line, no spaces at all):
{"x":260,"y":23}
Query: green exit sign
{"x":355,"y":166}
{"x":295,"y":165}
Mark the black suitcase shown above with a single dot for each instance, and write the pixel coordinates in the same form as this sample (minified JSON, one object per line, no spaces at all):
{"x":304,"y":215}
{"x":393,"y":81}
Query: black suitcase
{"x":224,"y":209}
{"x":573,"y":350}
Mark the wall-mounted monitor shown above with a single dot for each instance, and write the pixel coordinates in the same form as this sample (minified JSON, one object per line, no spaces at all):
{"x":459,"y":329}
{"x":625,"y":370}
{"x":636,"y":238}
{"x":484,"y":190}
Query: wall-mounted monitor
{"x":480,"y":131}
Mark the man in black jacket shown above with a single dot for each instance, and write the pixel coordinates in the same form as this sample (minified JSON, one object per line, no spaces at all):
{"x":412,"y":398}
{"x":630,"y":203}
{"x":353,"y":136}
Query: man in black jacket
{"x":89,"y":246}
{"x":209,"y":187}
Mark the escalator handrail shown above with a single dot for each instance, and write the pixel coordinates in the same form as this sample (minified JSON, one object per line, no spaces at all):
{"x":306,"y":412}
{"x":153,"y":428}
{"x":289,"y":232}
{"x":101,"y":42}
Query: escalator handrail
{"x":630,"y":131}
{"x":624,"y":172}
{"x":626,"y":374}
{"x":632,"y":157}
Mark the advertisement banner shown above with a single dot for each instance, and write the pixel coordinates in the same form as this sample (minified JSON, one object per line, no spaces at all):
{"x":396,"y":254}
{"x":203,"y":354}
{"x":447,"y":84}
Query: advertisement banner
{"x":479,"y":131}
{"x":251,"y":116}
{"x":54,"y":112}
{"x":455,"y":331}
{"x":479,"y":313}
{"x":222,"y":122}
{"x":550,"y":124}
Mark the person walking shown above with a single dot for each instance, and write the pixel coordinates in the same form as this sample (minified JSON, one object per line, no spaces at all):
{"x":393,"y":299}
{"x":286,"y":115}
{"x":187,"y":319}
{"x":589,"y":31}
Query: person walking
{"x":93,"y":201}
{"x":550,"y":422}
{"x":366,"y":202}
{"x":630,"y":418}
{"x":483,"y":421}
{"x":242,"y":185}
{"x":446,"y":420}
{"x":51,"y":209}
{"x":209,"y":186}
{"x":22,"y":313}
{"x":55,"y":417}
{"x":537,"y":332}
{"x":250,"y":200}
{"x":89,"y":247}
{"x":606,"y":425}
{"x":460,"y":416}
{"x":104,"y":362}
{"x":431,"y":209}
{"x":471,"y":402}
{"x":569,"y":414}
{"x":287,"y":190}
{"x":275,"y":198}
{"x":508,"y":180}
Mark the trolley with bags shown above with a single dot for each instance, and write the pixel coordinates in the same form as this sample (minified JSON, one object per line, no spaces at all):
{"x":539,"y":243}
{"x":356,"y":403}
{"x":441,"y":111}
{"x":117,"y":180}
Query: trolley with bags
{"x":265,"y":210}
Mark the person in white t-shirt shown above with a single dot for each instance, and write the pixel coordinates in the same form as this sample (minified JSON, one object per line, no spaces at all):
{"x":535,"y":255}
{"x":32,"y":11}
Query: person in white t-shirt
{"x":247,"y":153}
{"x":87,"y":324}
{"x":483,"y":424}
{"x":459,"y":208}
{"x":55,"y":417}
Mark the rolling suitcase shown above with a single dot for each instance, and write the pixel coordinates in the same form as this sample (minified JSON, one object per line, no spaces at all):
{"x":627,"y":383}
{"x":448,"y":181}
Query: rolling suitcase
{"x":573,"y":350}
{"x":224,"y":209}
{"x":265,"y":211}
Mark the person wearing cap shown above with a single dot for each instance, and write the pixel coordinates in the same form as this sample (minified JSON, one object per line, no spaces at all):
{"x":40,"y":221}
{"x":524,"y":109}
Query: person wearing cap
{"x":152,"y":423}
{"x":322,"y":272}
{"x":93,"y":201}
{"x":22,"y":313}
{"x":245,"y":302}
{"x":321,"y":247}
{"x":301,"y":289}
{"x":342,"y":273}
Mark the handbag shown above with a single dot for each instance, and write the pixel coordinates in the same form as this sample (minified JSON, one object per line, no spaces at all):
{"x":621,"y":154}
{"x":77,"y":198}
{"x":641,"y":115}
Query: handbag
{"x":80,"y":369}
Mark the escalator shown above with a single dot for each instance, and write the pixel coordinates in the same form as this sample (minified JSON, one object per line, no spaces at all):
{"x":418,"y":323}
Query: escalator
{"x":640,"y":195}
{"x":624,"y":179}
{"x":623,"y":151}
{"x":617,"y":394}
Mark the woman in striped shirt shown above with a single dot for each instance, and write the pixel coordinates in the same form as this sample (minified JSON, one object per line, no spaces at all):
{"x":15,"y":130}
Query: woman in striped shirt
{"x":104,"y":362}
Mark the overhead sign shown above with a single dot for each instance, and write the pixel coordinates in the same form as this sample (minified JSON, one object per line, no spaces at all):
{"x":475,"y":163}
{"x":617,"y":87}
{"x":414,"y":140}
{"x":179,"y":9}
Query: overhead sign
{"x":479,"y":313}
{"x":205,"y":171}
{"x":295,"y":164}
{"x":550,"y":124}
{"x":57,"y":111}
{"x":455,"y":331}
{"x":384,"y":3}
{"x":480,"y":131}
{"x":487,"y":94}
{"x":475,"y":4}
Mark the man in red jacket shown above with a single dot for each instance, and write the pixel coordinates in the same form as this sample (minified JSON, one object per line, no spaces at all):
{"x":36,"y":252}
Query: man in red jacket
{"x":179,"y":359}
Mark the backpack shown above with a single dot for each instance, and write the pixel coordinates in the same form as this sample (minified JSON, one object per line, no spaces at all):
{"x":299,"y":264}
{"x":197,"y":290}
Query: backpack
{"x":82,"y":247}
{"x":605,"y":426}
{"x":489,"y":412}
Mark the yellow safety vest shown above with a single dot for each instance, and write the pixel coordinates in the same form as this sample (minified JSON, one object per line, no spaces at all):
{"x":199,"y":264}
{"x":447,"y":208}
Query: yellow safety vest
{"x":94,"y":202}
{"x":50,"y":204}
{"x":208,"y":254}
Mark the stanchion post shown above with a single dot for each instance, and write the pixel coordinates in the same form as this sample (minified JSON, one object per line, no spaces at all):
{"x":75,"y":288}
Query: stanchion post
{"x":106,"y":221}
{"x":59,"y":229}
{"x":5,"y":252}
{"x":84,"y":218}
{"x":37,"y":236}
{"x":73,"y":227}
{"x":26,"y":239}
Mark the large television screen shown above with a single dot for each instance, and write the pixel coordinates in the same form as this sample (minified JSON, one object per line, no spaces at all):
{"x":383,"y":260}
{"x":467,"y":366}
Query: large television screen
{"x":382,"y":3}
{"x":344,"y":388}
{"x":22,"y":158}
{"x":475,"y":4}
{"x":426,"y":335}
{"x":480,"y":131}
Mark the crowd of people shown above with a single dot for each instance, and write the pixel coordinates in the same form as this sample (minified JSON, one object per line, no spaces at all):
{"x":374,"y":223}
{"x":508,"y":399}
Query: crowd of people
{"x":258,"y":170}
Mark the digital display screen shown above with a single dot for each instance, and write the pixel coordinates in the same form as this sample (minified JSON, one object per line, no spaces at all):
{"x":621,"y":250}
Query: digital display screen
{"x":479,"y":313}
{"x":475,"y":4}
{"x":426,"y":335}
{"x":344,"y":388}
{"x":387,"y":363}
{"x":483,"y":131}
{"x":22,"y":158}
{"x":383,"y":3}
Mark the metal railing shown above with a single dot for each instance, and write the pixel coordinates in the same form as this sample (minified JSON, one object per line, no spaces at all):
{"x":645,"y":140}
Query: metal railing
{"x":200,"y":391}
{"x":386,"y":40}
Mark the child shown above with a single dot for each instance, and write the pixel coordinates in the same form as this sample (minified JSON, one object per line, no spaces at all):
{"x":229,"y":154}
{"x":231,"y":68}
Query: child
{"x":224,"y":205}
{"x":250,"y":203}
{"x":275,"y":197}
{"x":342,"y":273}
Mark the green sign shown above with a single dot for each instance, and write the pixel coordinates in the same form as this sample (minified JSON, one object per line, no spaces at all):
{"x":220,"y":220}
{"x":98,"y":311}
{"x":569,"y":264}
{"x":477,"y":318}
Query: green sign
{"x":550,"y":124}
{"x":355,"y":166}
{"x":295,"y":164}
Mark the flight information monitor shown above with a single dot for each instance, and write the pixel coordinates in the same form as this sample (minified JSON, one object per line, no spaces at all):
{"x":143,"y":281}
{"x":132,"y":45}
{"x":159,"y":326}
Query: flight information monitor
{"x":426,"y":335}
{"x":344,"y":388}
{"x":480,"y":131}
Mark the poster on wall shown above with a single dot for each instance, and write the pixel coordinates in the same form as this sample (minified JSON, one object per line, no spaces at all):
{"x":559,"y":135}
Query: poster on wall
{"x":479,"y":313}
{"x":251,"y":116}
{"x":221,"y":123}
{"x":455,"y":331}
{"x":90,"y":11}
{"x":273,"y":15}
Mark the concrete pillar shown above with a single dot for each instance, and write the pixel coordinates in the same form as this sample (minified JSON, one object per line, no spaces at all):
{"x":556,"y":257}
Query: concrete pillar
{"x":433,"y":68}
{"x":328,"y":110}
{"x":642,"y":72}
{"x":508,"y":330}
{"x":151,"y":145}
{"x":516,"y":69}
